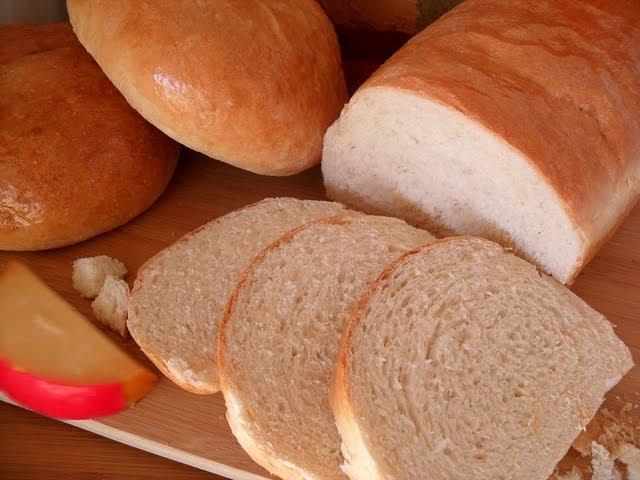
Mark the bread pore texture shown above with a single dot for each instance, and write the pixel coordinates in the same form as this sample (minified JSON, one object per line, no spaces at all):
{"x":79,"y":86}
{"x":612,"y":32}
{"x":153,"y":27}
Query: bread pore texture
{"x":495,"y":121}
{"x":281,"y":332}
{"x":179,"y":295}
{"x":463,"y":361}
{"x":254,"y":83}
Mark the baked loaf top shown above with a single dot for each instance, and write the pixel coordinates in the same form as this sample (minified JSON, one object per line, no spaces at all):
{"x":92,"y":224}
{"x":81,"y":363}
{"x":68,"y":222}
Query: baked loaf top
{"x":557,"y":80}
{"x":281,"y":332}
{"x":462,"y":361}
{"x":75,"y":159}
{"x":252,"y":83}
{"x":179,"y":294}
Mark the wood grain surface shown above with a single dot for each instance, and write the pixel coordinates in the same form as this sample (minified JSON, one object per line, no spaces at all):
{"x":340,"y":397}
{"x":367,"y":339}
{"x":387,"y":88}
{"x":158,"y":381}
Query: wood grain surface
{"x":192,"y":428}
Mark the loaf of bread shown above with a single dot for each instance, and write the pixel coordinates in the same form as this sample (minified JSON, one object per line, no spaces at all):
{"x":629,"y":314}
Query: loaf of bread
{"x":75,"y":159}
{"x":514,"y":120}
{"x":281,"y":332}
{"x":462,"y":361}
{"x":179,"y":295}
{"x":254,"y":83}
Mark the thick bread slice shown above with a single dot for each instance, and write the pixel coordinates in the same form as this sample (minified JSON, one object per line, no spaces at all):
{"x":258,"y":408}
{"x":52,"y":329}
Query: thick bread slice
{"x":498,"y":121}
{"x":281,"y":332}
{"x":180,"y":293}
{"x":462,"y":361}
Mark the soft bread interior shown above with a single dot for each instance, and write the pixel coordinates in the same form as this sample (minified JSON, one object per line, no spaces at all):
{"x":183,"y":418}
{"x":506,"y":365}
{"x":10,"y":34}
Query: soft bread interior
{"x":464,"y":362}
{"x":179,"y":295}
{"x":399,"y":153}
{"x":281,"y":333}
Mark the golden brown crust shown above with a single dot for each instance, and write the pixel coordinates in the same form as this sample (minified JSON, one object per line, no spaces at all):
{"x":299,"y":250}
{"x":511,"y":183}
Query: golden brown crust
{"x":557,"y":80}
{"x":24,"y":39}
{"x":75,"y":159}
{"x":251,"y":83}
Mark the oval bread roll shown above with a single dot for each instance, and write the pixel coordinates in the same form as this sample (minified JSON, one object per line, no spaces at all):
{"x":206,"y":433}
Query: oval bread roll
{"x":514,"y":120}
{"x":280,"y":335}
{"x":179,"y":295}
{"x":462,"y":361}
{"x":254,"y":83}
{"x":75,"y":159}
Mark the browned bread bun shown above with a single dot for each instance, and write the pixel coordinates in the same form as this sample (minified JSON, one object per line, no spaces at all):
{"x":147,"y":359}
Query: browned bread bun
{"x":252,"y":83}
{"x":75,"y":159}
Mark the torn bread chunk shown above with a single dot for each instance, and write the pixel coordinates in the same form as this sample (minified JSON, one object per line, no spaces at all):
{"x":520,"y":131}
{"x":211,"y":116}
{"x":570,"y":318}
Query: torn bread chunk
{"x":89,"y":273}
{"x":110,"y":306}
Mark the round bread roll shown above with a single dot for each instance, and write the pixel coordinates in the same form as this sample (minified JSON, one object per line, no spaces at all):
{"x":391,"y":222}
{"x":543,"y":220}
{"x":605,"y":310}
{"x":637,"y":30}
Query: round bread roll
{"x":75,"y":159}
{"x":254,"y":83}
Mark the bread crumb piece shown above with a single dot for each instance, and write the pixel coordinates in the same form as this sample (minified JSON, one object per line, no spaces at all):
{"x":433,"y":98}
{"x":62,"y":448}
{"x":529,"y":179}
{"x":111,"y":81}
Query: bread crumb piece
{"x":602,"y":464}
{"x":89,"y":273}
{"x":110,"y":306}
{"x":630,"y":456}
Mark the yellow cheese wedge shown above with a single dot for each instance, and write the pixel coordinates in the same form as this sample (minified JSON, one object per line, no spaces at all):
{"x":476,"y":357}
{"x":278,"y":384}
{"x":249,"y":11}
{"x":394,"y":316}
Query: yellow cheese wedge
{"x":55,"y":361}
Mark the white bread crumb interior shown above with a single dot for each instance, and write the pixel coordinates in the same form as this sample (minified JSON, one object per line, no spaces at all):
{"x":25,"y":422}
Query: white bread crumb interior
{"x":89,"y":273}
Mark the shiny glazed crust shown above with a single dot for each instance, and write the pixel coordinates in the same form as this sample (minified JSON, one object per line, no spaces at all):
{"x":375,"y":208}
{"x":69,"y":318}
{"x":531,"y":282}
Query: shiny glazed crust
{"x":252,"y":83}
{"x":75,"y":159}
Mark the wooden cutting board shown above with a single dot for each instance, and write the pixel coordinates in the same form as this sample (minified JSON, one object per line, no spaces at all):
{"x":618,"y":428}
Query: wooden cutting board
{"x":191,"y":428}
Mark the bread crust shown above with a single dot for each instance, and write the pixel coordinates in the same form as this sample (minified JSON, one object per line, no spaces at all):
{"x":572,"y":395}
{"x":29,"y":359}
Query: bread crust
{"x":75,"y":159}
{"x":262,"y":101}
{"x":568,"y":68}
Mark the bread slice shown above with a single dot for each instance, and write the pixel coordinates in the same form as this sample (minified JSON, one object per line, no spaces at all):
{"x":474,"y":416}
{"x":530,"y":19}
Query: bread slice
{"x":179,"y":294}
{"x":281,"y":332}
{"x":462,"y":361}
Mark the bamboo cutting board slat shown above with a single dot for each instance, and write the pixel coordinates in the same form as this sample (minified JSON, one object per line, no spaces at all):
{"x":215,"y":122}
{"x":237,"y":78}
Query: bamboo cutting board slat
{"x":192,"y":429}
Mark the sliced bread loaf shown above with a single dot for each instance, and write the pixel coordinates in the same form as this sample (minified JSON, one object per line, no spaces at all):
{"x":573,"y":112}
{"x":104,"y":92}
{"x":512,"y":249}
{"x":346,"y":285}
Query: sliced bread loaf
{"x":513,"y":120}
{"x":463,"y":362}
{"x":179,"y":294}
{"x":280,"y":335}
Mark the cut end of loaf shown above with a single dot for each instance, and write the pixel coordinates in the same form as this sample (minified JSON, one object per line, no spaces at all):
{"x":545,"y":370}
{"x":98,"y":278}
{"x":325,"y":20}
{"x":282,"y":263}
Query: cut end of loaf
{"x":399,"y":153}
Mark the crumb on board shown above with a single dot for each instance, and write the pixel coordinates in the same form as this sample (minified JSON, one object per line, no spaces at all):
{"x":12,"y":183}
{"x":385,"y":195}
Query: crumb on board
{"x":89,"y":273}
